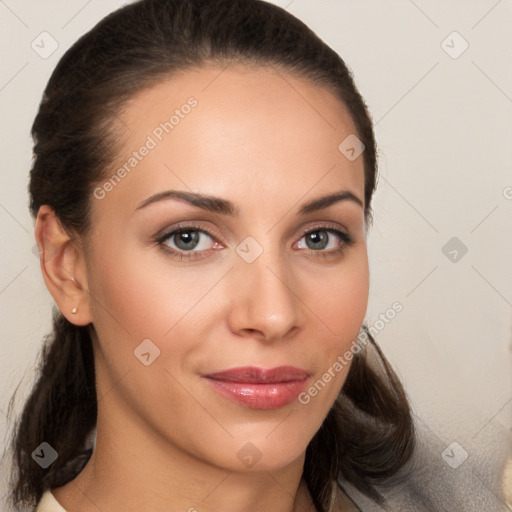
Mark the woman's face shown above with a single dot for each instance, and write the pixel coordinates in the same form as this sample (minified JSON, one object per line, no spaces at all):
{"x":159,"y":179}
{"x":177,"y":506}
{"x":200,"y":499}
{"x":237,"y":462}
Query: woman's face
{"x":242,"y":285}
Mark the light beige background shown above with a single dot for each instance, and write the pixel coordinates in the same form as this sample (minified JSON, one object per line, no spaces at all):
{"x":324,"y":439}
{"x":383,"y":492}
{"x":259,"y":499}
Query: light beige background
{"x":444,"y":129}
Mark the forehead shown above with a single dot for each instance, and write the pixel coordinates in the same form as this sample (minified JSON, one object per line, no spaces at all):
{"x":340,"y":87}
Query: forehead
{"x":260,"y":128}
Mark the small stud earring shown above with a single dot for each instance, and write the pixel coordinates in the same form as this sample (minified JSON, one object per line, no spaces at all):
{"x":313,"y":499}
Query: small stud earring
{"x":74,"y":310}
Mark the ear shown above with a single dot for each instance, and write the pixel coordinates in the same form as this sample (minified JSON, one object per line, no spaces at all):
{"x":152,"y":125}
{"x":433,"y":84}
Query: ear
{"x":63,"y":267}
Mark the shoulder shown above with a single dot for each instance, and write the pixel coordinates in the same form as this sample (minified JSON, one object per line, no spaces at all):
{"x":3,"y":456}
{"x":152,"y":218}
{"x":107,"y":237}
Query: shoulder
{"x":48,"y":503}
{"x":447,"y":475}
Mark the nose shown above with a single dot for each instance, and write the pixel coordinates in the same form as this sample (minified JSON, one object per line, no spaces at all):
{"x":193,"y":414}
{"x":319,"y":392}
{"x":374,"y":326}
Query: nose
{"x":264,"y":304}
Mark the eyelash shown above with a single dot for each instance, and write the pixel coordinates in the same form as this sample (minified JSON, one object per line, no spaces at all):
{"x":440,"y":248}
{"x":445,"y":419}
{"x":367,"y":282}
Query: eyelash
{"x":346,"y":241}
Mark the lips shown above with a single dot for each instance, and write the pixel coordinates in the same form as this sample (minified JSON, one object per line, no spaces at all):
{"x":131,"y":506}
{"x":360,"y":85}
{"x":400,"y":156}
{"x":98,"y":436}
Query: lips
{"x":259,"y":388}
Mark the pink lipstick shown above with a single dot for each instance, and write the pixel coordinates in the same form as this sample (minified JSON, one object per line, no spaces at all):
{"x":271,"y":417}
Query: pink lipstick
{"x":259,"y":388}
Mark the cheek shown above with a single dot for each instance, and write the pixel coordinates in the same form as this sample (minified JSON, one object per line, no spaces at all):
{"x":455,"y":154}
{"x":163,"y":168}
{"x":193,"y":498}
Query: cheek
{"x":135,"y":301}
{"x":339,"y":296}
{"x":137,"y":297}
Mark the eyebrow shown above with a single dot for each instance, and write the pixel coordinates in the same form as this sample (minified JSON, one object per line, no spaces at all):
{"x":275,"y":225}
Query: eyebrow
{"x":225,"y":207}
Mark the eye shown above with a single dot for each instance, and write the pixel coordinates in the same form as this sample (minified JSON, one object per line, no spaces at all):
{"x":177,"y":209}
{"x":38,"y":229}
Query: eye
{"x":322,"y":239}
{"x":187,"y":239}
{"x":192,"y":242}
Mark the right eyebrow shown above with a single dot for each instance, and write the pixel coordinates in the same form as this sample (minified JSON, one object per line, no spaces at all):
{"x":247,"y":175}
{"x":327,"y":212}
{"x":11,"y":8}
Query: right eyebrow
{"x":205,"y":202}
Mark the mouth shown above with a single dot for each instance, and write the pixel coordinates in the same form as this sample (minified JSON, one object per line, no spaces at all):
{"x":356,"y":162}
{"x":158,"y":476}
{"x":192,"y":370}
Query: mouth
{"x":259,"y":388}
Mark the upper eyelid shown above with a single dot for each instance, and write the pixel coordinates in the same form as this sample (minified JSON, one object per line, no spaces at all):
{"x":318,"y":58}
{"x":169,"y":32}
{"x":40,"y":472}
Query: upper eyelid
{"x":167,"y":233}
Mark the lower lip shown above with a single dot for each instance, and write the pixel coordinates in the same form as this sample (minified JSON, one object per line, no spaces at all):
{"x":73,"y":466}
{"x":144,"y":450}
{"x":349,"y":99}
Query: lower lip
{"x":260,"y":396}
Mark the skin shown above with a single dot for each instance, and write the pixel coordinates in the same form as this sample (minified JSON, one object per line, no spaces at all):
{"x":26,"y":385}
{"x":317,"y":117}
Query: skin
{"x":268,"y":142}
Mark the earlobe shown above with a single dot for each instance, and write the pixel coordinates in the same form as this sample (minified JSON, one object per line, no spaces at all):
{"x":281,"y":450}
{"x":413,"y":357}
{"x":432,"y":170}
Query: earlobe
{"x":63,"y":267}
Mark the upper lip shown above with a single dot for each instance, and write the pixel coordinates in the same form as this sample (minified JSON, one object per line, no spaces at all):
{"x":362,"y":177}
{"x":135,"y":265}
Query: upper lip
{"x":255,"y":374}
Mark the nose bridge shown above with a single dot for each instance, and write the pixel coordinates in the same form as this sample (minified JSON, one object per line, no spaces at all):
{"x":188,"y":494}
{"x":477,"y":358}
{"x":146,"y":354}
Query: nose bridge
{"x":263,"y":297}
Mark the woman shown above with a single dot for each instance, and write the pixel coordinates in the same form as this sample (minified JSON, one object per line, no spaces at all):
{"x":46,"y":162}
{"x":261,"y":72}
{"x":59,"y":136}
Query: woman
{"x":202,"y":189}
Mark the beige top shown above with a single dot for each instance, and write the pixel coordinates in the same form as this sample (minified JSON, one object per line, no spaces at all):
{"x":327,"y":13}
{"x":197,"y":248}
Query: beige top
{"x":48,"y":503}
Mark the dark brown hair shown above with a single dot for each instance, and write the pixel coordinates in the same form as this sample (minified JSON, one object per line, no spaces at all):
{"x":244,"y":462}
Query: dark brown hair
{"x":368,"y":435}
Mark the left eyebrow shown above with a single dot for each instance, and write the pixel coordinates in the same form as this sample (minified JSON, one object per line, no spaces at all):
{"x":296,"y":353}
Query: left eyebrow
{"x":324,"y":202}
{"x":225,"y":207}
